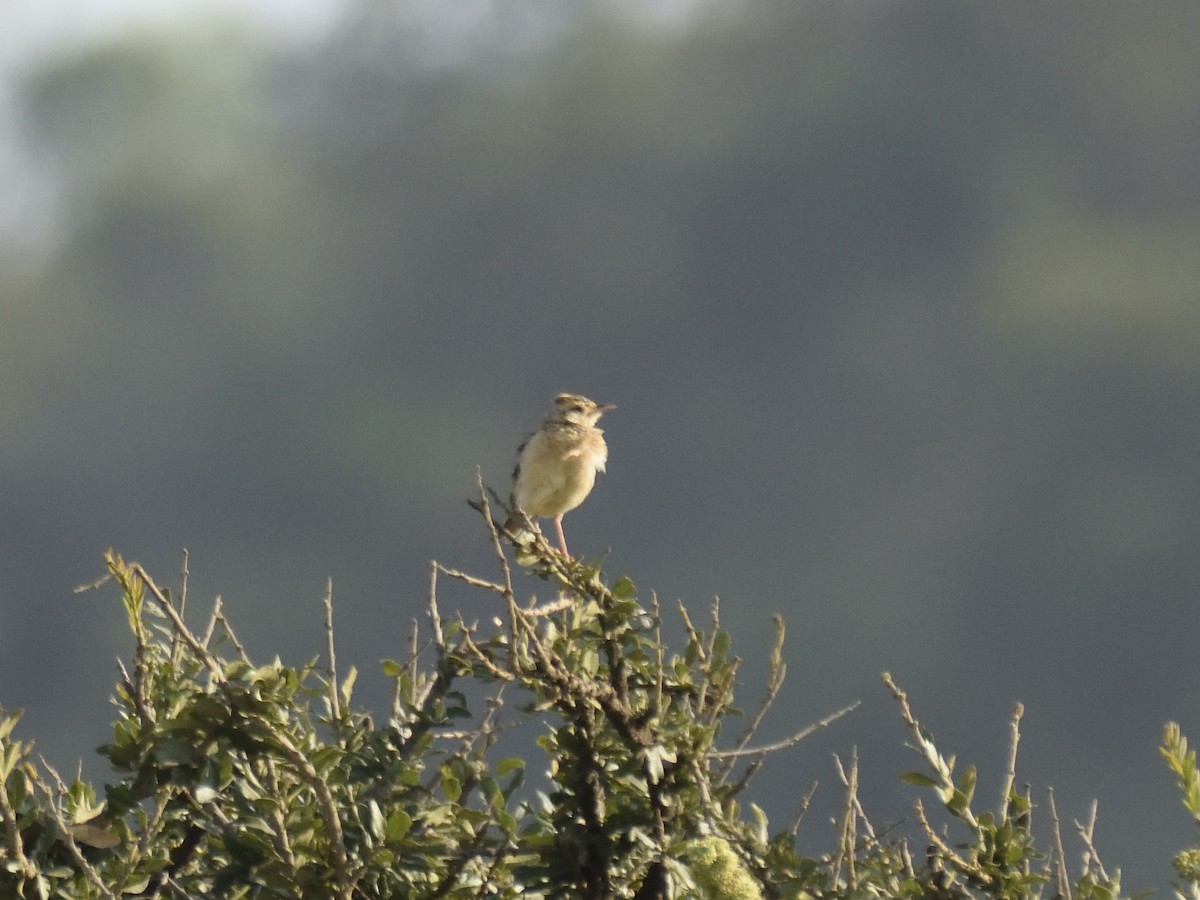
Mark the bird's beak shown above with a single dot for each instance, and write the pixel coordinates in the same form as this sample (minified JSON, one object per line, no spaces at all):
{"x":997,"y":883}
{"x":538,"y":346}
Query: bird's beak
{"x":606,"y":407}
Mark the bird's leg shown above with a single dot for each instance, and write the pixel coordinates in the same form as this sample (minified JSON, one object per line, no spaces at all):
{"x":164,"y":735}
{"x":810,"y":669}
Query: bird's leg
{"x":562,"y":541}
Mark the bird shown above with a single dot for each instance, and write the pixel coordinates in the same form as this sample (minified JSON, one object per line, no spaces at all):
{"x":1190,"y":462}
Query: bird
{"x":557,"y":464}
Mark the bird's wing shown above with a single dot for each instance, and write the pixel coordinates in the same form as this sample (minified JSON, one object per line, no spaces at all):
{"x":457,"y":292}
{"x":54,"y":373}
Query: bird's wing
{"x":516,"y":473}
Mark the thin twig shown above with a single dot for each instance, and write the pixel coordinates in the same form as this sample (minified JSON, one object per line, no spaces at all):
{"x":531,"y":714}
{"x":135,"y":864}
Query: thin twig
{"x":1010,"y":772}
{"x":846,"y":831}
{"x":335,"y":703}
{"x":469,"y":645}
{"x":550,"y":607}
{"x":945,"y":851}
{"x":777,"y":670}
{"x":775,"y":677}
{"x":98,"y":583}
{"x":697,"y":640}
{"x":53,"y":806}
{"x":304,"y":766}
{"x":282,"y":842}
{"x":715,"y":813}
{"x":1064,"y":880}
{"x":327,"y":807}
{"x":181,"y":629}
{"x":176,"y":646}
{"x":789,"y":741}
{"x":852,"y":780}
{"x":414,"y":652}
{"x":906,"y":859}
{"x":472,"y":580}
{"x":694,"y":636}
{"x":137,"y":692}
{"x":716,"y":624}
{"x":212,"y":623}
{"x":183,"y":582}
{"x":435,"y":619}
{"x":505,"y":589}
{"x":1086,"y":833}
{"x":925,"y":746}
{"x":501,"y":556}
{"x":794,"y":829}
{"x":227,"y":627}
{"x":150,"y":833}
{"x":12,"y":833}
{"x":659,"y":653}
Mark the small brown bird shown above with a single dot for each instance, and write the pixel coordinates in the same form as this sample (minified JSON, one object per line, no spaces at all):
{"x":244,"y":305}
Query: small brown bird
{"x":557,"y":464}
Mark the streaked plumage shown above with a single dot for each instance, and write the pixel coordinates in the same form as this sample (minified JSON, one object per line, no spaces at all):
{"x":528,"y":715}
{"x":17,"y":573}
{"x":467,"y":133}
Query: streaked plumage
{"x":557,"y":464}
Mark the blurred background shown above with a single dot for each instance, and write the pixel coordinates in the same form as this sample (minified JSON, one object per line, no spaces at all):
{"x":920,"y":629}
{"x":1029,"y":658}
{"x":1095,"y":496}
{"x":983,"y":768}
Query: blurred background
{"x":898,"y":303}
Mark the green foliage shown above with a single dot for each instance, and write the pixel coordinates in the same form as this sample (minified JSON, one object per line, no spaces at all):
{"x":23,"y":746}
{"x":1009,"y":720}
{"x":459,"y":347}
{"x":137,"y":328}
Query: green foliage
{"x":242,"y":780}
{"x":1182,"y":763}
{"x":718,"y":873}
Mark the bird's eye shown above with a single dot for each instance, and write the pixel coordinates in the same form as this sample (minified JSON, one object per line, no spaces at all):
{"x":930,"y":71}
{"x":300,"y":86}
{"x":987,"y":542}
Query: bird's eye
{"x":576,"y":409}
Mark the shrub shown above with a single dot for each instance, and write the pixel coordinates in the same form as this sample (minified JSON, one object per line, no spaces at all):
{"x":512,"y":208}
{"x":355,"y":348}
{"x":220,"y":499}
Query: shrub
{"x":241,"y":780}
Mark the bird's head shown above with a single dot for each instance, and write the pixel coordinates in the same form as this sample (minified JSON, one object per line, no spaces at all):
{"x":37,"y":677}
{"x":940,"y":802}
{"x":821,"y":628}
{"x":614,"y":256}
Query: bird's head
{"x":580,"y":410}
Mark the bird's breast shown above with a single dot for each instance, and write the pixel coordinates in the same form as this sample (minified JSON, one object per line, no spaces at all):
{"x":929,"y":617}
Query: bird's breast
{"x":556,"y":475}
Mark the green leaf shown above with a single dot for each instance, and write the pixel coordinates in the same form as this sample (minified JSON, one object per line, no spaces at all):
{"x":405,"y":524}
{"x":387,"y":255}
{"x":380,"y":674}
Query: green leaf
{"x":490,"y":789}
{"x":506,"y":821}
{"x":511,"y":764}
{"x":760,"y":825}
{"x":655,"y":757}
{"x":348,"y":685}
{"x":721,"y":643}
{"x":589,"y":662}
{"x":967,"y":782}
{"x":624,"y":589}
{"x":173,"y":752}
{"x":9,"y":759}
{"x":958,"y":803}
{"x":375,"y":821}
{"x":326,"y":758}
{"x":398,"y":825}
{"x":94,"y":836}
{"x":8,"y":721}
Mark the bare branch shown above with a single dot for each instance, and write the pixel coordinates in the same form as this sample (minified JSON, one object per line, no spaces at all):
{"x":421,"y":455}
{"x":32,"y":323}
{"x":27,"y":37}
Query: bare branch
{"x":550,"y":607}
{"x":176,"y":646}
{"x":12,"y":833}
{"x":846,"y":830}
{"x":794,"y":828}
{"x":54,"y":808}
{"x":775,"y":677}
{"x":335,"y":703}
{"x":183,"y":582}
{"x":472,"y":580}
{"x":789,"y":741}
{"x":178,"y":624}
{"x":212,"y":623}
{"x":923,"y":745}
{"x":435,"y":619}
{"x":946,"y":852}
{"x":227,"y":627}
{"x":486,"y":511}
{"x":1086,"y":833}
{"x":1010,"y":772}
{"x":1060,"y":866}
